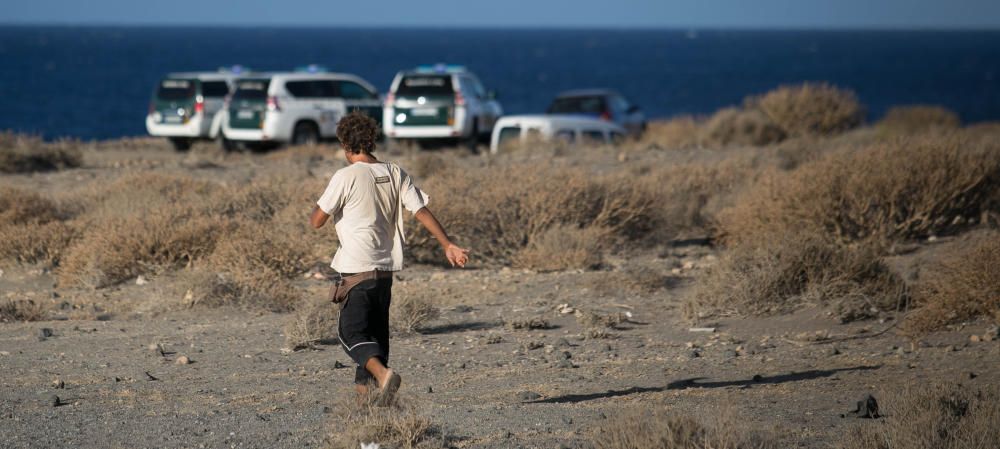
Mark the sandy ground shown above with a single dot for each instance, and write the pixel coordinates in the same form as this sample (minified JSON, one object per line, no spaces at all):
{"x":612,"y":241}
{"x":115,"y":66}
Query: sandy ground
{"x":485,"y":384}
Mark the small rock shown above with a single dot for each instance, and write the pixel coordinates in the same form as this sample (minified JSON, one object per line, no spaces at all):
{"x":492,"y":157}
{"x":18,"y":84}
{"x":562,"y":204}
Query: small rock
{"x":525,"y":396}
{"x":562,"y":343}
{"x":54,"y":401}
{"x":182,"y":360}
{"x":758,"y":378}
{"x":58,"y":384}
{"x":567,"y":420}
{"x":150,"y":377}
{"x":325,"y":409}
{"x":430,"y":389}
{"x":141,"y":280}
{"x":44,"y":333}
{"x":565,"y":364}
{"x":951,"y":348}
{"x":566,"y":355}
{"x":338,"y":365}
{"x":832,"y":351}
{"x":974,"y":338}
{"x":693,"y":354}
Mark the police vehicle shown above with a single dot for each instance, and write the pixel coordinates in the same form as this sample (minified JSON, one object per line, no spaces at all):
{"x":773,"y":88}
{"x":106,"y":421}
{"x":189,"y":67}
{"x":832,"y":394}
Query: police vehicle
{"x":185,"y":106}
{"x":439,"y":102}
{"x":301,"y":107}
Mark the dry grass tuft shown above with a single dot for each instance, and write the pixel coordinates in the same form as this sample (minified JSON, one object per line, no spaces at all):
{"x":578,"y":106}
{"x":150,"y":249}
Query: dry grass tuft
{"x":901,"y":189}
{"x":529,"y":324}
{"x":358,"y":421}
{"x":21,"y":310}
{"x":965,"y":285}
{"x":314,"y":320}
{"x":563,"y":247}
{"x":659,"y":429}
{"x":24,"y":154}
{"x":810,"y":109}
{"x":918,"y":118}
{"x":411,"y":312}
{"x":791,"y":270}
{"x":676,"y":133}
{"x":735,"y":126}
{"x":932,"y":418}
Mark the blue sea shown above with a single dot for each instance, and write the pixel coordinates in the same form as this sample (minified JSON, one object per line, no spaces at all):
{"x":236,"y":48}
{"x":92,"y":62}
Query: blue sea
{"x":95,"y":82}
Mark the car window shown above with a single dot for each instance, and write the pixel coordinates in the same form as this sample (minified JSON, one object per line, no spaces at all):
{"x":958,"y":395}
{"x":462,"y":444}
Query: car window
{"x":566,"y":135}
{"x":175,"y":89}
{"x":425,"y":85}
{"x":475,"y":87}
{"x":354,"y":91}
{"x":214,"y":89}
{"x":251,"y":89}
{"x":509,"y":135}
{"x":578,"y":105}
{"x":312,"y":89}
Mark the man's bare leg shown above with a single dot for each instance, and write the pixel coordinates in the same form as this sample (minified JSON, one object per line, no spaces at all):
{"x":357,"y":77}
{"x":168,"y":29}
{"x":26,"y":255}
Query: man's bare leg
{"x":388,"y":381}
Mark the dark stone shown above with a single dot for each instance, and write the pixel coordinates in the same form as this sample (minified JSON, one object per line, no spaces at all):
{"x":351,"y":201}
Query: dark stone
{"x":324,"y":410}
{"x":565,"y":355}
{"x":44,"y":333}
{"x":54,"y":401}
{"x":525,"y":396}
{"x":973,"y":375}
{"x":867,"y":408}
{"x":430,"y":389}
{"x":694,"y":353}
{"x":338,"y":365}
{"x":758,"y":378}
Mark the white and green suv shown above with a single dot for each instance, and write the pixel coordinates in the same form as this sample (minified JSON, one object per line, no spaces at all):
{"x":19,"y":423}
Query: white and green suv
{"x":301,"y":107}
{"x":439,"y":102}
{"x":185,"y":106}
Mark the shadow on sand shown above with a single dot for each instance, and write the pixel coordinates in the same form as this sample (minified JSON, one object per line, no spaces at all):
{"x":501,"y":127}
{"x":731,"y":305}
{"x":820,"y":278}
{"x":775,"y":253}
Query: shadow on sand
{"x":696,"y":382}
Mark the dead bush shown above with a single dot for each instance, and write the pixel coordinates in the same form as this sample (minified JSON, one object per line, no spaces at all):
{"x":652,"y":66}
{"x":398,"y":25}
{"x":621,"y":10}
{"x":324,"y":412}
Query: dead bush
{"x":262,"y":289}
{"x":809,"y":109}
{"x":563,"y":247}
{"x":902,"y":189}
{"x":964,"y":285}
{"x":36,"y":243}
{"x":498,"y":211}
{"x":675,"y":133}
{"x":918,"y":118}
{"x":358,"y":422}
{"x":19,"y":207}
{"x":21,"y":310}
{"x":790,"y":270}
{"x":659,"y":429}
{"x":252,"y":247}
{"x":932,"y":417}
{"x":24,"y":154}
{"x":735,"y":126}
{"x":411,"y":312}
{"x":314,"y":320}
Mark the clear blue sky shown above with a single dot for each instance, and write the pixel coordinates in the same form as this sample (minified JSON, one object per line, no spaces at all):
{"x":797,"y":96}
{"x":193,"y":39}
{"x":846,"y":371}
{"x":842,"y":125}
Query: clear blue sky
{"x":505,"y":13}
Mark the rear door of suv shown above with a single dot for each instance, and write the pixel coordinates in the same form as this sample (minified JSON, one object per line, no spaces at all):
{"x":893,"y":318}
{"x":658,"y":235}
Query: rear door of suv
{"x":174,"y":100}
{"x":359,"y":97}
{"x":249,"y":103}
{"x":424,"y":100}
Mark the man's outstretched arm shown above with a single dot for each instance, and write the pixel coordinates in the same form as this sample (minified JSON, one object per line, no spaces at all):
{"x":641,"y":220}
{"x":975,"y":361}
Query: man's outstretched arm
{"x":318,"y":218}
{"x":456,"y":256}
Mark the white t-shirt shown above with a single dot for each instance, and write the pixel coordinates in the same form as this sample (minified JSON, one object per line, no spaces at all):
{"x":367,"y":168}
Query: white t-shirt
{"x":363,"y":200}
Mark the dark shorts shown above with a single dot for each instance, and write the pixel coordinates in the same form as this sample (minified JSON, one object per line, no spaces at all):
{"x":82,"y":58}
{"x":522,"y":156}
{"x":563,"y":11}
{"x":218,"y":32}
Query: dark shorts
{"x":364,"y":325}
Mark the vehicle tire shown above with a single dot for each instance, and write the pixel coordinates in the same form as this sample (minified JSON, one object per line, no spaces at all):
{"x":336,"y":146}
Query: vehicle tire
{"x":305,"y":133}
{"x":181,"y":143}
{"x":227,"y":145}
{"x":472,"y":143}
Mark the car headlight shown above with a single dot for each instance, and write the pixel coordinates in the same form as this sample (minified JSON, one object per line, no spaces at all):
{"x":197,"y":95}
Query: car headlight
{"x":401,"y":117}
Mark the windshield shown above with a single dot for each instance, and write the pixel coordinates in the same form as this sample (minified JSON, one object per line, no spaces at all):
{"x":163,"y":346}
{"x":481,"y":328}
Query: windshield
{"x":578,"y":105}
{"x":251,"y":89}
{"x":425,"y":85}
{"x":175,"y":89}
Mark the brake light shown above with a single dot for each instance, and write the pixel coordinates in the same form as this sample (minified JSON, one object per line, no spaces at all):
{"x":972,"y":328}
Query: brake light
{"x":606,"y":116}
{"x":272,"y":103}
{"x":199,"y":107}
{"x":459,"y":99}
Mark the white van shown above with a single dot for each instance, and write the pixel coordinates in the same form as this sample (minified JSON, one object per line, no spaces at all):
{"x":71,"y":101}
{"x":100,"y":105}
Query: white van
{"x":517,"y":130}
{"x":296,"y":107}
{"x":185,"y":106}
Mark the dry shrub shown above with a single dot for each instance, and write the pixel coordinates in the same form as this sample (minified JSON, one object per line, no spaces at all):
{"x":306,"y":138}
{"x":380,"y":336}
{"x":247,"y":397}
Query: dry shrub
{"x":675,"y":133}
{"x":411,"y":312}
{"x":735,"y":126}
{"x":660,"y":429}
{"x":917,"y":118}
{"x":254,"y":247}
{"x":563,"y":247}
{"x":314,"y":320}
{"x":33,"y":227}
{"x":964,"y":285}
{"x":497,"y":212}
{"x":638,"y":280}
{"x":902,"y":189}
{"x":359,"y":421}
{"x":932,"y":417}
{"x":810,"y":109}
{"x":18,"y":207}
{"x":21,"y":310}
{"x":789,"y":270}
{"x":24,"y":154}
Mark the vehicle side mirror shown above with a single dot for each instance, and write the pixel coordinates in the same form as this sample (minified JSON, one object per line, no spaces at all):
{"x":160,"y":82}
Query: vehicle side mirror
{"x":633,"y":109}
{"x":491,"y":94}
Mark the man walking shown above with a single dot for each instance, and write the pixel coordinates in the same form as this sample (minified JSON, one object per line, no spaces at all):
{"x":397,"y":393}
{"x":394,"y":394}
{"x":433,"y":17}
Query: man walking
{"x":366,"y":199}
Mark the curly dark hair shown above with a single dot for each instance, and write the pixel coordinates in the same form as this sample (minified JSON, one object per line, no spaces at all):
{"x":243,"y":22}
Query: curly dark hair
{"x":357,"y":132}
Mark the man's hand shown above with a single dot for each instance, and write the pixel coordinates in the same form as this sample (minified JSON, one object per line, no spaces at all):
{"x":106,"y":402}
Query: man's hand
{"x":456,"y":256}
